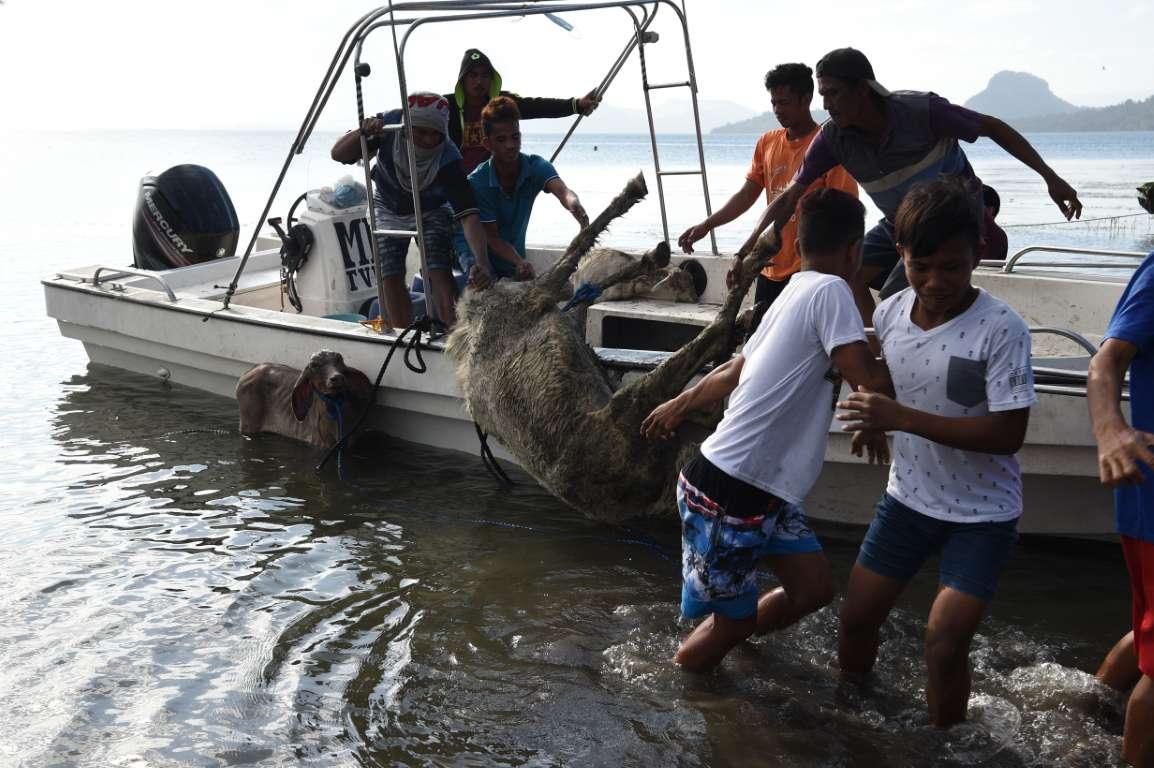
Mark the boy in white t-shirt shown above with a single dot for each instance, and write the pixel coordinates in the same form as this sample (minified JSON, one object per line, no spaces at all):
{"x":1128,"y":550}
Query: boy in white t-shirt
{"x":740,"y":498}
{"x":960,"y":364}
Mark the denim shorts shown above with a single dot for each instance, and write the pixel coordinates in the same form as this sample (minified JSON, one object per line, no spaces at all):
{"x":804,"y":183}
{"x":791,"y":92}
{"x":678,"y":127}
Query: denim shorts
{"x":500,"y":267}
{"x":899,"y":541}
{"x":879,"y":250}
{"x":438,"y":225}
{"x":722,"y":540}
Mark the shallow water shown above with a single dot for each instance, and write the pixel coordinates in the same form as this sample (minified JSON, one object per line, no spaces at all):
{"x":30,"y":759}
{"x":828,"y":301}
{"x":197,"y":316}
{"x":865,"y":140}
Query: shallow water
{"x":187,"y":596}
{"x":174,"y":594}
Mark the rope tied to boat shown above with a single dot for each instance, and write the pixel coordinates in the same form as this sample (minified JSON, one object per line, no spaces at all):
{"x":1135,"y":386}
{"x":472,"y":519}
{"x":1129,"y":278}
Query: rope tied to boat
{"x":489,"y":460}
{"x":1073,"y":221}
{"x":412,"y":344}
{"x":586,"y":294}
{"x":335,"y":411}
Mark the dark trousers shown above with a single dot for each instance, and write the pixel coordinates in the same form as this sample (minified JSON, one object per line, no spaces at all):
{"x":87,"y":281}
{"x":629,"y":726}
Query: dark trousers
{"x":768,"y":290}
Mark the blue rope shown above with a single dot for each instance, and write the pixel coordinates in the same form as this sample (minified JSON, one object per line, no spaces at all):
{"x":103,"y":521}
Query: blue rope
{"x":586,"y":294}
{"x":334,"y":411}
{"x":636,"y":538}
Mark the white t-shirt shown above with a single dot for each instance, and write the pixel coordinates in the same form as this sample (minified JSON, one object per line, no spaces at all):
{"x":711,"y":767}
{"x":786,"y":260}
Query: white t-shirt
{"x":976,"y":364}
{"x":775,"y":427}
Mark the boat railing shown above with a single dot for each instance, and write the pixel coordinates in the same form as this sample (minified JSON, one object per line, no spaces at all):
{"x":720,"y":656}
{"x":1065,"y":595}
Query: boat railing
{"x":458,"y":10}
{"x":1050,"y":378}
{"x":1066,"y":333}
{"x":118,"y":272}
{"x":1011,"y":263}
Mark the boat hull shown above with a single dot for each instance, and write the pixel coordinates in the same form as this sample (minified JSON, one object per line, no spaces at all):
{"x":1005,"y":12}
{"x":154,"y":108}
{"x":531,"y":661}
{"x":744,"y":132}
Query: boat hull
{"x":193,"y":342}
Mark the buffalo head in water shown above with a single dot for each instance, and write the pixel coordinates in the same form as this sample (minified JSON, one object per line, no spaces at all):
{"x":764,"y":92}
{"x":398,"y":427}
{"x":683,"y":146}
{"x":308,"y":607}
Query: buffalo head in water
{"x":531,"y":381}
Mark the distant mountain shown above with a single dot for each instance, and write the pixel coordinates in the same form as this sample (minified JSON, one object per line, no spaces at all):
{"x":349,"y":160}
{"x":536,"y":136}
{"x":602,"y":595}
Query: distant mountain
{"x":1128,"y":116}
{"x":762,"y":123}
{"x":1014,"y":95}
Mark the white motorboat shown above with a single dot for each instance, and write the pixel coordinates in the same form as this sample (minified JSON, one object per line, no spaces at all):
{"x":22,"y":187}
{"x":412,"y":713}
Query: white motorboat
{"x":203,"y":324}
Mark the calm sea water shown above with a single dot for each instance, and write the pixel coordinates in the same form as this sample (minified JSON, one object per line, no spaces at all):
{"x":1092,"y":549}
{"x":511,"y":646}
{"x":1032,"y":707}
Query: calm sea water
{"x":191,"y":598}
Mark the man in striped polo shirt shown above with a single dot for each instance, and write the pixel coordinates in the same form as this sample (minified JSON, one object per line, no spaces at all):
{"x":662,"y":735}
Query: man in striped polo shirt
{"x":889,"y":141}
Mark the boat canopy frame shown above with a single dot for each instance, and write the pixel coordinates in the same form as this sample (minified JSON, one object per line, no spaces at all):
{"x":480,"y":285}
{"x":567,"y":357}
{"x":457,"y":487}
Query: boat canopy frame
{"x":641,"y":13}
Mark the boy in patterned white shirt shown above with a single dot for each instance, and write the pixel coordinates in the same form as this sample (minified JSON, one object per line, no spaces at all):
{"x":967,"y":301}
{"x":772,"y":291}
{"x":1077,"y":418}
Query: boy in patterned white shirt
{"x":960,"y":364}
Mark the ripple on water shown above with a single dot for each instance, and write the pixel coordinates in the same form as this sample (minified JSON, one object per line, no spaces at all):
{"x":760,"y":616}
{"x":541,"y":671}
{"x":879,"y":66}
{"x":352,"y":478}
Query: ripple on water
{"x":202,"y":599}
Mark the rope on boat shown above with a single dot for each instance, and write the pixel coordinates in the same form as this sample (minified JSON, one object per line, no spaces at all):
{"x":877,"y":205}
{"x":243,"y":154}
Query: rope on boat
{"x":334,"y":410}
{"x":412,"y":346}
{"x":489,"y":460}
{"x":197,"y":430}
{"x":1073,"y":221}
{"x":632,"y":538}
{"x":586,"y":294}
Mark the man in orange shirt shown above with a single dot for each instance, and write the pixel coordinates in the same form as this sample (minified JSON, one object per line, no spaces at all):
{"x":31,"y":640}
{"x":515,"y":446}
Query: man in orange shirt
{"x":776,"y":159}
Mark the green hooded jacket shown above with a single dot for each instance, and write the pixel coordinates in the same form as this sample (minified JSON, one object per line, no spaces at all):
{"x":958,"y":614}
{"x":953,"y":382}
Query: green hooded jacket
{"x":531,"y":108}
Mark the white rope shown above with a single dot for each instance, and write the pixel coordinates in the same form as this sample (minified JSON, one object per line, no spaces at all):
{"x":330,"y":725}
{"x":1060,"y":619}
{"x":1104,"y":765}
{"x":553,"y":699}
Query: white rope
{"x":1074,"y":221}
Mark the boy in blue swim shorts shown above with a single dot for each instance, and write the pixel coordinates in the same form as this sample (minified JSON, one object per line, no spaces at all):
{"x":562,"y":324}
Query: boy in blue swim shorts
{"x":960,"y":363}
{"x":740,"y":498}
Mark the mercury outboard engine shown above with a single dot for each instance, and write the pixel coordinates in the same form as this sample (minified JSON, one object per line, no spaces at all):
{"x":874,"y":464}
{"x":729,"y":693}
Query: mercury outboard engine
{"x":183,"y":216}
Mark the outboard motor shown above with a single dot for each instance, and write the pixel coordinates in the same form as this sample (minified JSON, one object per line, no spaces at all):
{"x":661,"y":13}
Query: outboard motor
{"x":183,"y":216}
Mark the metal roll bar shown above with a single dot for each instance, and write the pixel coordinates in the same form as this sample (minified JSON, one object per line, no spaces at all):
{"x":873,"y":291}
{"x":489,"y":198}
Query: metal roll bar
{"x":121,"y":271}
{"x":1066,"y":333}
{"x":352,"y":43}
{"x":1009,"y":264}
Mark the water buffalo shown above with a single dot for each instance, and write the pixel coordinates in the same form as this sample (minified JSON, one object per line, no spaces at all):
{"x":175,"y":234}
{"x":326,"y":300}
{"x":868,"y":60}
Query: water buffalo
{"x":530,"y":380}
{"x":276,"y":398}
{"x":683,"y":283}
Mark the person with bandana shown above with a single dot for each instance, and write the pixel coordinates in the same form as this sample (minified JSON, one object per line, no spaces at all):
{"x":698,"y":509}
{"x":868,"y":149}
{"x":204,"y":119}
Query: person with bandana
{"x":445,"y":197}
{"x":477,"y":84}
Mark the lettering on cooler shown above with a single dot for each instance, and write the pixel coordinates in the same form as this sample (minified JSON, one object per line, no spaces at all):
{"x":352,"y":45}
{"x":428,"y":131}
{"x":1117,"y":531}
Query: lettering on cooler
{"x":362,"y":267}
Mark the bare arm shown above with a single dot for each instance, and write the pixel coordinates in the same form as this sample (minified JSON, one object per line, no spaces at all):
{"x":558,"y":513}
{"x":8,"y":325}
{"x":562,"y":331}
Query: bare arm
{"x":347,"y":149}
{"x":714,"y":387}
{"x":741,"y":201}
{"x":506,"y":251}
{"x":1121,"y":448}
{"x":1016,"y":145}
{"x":1002,"y":432}
{"x":569,"y":200}
{"x":860,"y":368}
{"x":777,"y":213}
{"x":482,"y":272}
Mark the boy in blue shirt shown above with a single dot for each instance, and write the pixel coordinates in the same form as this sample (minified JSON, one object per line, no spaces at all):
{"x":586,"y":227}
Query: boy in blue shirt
{"x":960,"y":364}
{"x":1126,"y":461}
{"x":506,"y":186}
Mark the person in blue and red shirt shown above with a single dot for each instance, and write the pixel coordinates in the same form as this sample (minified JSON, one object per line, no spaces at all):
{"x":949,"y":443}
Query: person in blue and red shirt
{"x":1126,"y":462}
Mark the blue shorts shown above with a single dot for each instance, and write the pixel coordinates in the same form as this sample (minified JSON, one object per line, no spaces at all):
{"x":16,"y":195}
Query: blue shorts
{"x":723,"y":535}
{"x":501,"y":268}
{"x":899,"y":541}
{"x":878,"y":249}
{"x":438,"y":225}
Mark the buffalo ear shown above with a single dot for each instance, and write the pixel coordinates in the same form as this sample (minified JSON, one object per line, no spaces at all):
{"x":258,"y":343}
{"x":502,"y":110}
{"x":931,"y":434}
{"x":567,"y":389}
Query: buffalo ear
{"x":302,"y":396}
{"x":660,"y":254}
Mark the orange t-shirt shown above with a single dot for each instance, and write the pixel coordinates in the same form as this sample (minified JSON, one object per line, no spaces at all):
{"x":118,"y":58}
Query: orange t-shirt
{"x":775,"y":161}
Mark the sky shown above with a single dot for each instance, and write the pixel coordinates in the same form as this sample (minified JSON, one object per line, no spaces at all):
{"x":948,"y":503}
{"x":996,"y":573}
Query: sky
{"x":255,"y":64}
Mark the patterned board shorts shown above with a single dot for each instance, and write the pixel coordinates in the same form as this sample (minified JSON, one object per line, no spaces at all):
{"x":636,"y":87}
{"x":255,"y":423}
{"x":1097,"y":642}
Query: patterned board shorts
{"x":720,"y":552}
{"x":438,"y":224}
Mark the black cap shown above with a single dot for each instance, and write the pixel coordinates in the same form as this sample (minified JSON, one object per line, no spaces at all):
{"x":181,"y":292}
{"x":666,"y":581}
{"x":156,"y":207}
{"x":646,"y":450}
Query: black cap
{"x":849,"y":64}
{"x":474,"y":57}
